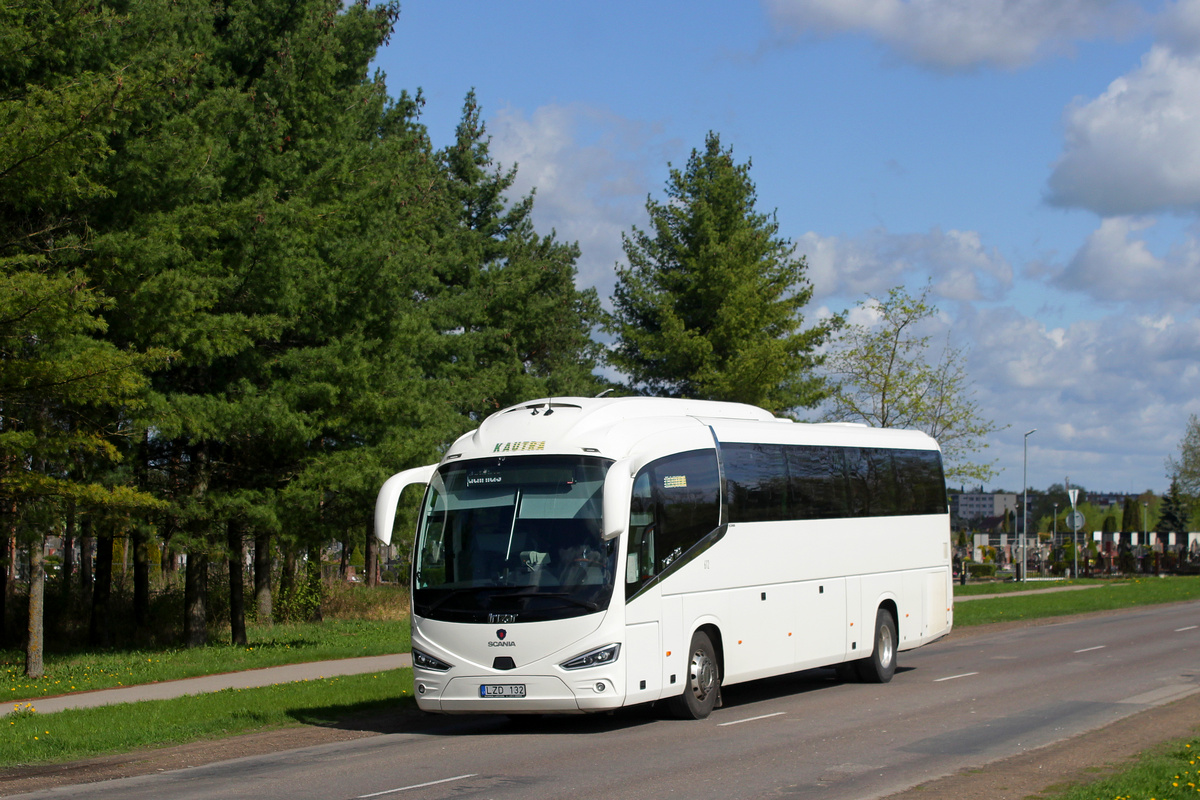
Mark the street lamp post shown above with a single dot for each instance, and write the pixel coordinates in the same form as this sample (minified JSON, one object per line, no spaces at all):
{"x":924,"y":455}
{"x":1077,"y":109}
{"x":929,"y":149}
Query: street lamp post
{"x":1025,"y":506}
{"x":1054,"y":538}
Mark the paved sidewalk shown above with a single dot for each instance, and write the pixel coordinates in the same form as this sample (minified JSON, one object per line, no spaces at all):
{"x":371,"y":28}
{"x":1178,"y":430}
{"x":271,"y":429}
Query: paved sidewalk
{"x":248,"y":679}
{"x":964,"y":598}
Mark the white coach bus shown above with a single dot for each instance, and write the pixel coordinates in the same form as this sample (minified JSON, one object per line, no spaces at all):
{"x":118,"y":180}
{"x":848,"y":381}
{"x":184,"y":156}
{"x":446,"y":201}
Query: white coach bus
{"x":578,"y":555}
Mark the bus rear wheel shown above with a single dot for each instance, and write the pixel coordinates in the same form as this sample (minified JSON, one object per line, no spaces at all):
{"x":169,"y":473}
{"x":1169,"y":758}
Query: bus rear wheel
{"x":703,"y":686}
{"x":881,"y":664}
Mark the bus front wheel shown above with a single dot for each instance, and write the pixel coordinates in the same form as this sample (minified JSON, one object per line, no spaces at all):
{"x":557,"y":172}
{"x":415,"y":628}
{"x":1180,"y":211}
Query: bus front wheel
{"x":703,"y":686}
{"x":881,"y":664}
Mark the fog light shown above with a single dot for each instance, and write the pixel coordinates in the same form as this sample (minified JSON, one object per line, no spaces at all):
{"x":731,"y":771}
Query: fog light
{"x":600,"y":687}
{"x":420,"y":688}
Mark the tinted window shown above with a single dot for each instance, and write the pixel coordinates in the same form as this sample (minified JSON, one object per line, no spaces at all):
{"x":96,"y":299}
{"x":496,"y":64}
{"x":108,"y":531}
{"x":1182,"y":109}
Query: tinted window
{"x":676,"y":503}
{"x":774,"y":482}
{"x":817,"y":480}
{"x":756,"y":482}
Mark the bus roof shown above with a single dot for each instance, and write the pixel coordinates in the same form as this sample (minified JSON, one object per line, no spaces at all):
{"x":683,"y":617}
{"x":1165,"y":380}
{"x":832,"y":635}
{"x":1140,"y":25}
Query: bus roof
{"x":613,"y":427}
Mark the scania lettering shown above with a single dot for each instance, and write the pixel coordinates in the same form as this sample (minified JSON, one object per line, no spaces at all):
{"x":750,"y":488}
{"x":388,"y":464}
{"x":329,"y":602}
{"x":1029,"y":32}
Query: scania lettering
{"x":638,"y":550}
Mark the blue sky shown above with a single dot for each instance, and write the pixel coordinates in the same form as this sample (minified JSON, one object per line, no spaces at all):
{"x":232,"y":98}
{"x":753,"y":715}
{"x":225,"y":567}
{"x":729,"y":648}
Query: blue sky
{"x":1037,"y":162}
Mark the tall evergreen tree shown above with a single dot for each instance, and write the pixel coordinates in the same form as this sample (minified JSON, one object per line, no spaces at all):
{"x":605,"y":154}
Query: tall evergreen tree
{"x":65,"y":395}
{"x":1172,"y":514}
{"x":710,"y":303}
{"x":271,"y":226}
{"x":521,"y":327}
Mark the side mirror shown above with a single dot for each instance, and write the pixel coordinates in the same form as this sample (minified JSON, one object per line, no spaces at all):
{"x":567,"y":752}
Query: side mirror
{"x":389,"y":497}
{"x":618,"y":485}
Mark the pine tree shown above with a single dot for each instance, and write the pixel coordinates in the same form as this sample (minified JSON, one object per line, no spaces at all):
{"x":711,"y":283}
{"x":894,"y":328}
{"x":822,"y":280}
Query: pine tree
{"x":272,"y":226}
{"x":523,"y":329}
{"x":710,"y":303}
{"x":65,"y":394}
{"x":1172,"y":514}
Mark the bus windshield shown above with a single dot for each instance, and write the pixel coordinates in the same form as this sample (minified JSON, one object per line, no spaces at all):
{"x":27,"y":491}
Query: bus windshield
{"x":514,"y":539}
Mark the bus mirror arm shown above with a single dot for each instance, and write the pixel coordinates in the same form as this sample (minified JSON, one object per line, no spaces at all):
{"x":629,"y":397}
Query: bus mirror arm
{"x":389,"y":497}
{"x":618,"y":485}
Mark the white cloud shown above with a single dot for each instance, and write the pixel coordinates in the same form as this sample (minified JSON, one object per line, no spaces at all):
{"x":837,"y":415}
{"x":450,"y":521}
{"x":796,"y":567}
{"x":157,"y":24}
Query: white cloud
{"x":1091,"y":388}
{"x":1179,"y":26}
{"x":962,"y":34}
{"x":1136,"y":148}
{"x":959,"y":265}
{"x":1114,"y":265}
{"x":589,"y":189}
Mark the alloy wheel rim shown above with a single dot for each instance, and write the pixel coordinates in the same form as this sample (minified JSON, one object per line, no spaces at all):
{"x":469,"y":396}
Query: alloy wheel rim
{"x":703,"y":675}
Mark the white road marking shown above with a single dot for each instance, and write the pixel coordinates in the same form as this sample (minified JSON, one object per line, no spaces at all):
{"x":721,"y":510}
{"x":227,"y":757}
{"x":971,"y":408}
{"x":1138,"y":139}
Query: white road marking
{"x":1188,"y":628}
{"x":416,"y":786}
{"x":1090,"y":649}
{"x":954,"y":677}
{"x":752,"y":719}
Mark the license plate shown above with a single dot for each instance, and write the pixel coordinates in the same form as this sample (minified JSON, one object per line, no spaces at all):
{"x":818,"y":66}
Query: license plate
{"x":502,"y":690}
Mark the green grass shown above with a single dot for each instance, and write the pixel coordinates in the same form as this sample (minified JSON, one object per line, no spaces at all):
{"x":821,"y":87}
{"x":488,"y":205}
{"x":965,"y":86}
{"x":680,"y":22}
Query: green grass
{"x":1168,"y":773}
{"x":32,"y":738}
{"x":1106,"y":596}
{"x":268,"y":646}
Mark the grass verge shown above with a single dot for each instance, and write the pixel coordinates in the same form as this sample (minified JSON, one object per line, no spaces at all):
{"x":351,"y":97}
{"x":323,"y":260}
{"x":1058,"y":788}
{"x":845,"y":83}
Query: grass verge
{"x":268,"y":646}
{"x":33,"y":738}
{"x":1105,"y":596}
{"x":1168,"y":773}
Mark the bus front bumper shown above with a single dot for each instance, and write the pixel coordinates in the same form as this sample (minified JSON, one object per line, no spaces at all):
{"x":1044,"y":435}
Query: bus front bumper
{"x":516,"y":694}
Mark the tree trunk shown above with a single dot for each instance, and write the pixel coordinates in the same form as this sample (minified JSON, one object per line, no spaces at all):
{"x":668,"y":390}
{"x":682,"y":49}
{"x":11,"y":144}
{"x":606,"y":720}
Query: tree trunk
{"x":195,"y":600}
{"x":6,"y":554}
{"x":312,"y":580}
{"x":344,"y":564}
{"x":371,"y":560}
{"x":35,"y":645}
{"x":86,"y":544}
{"x":68,"y":555}
{"x":262,"y":575}
{"x":141,"y":578}
{"x":237,"y":600}
{"x":100,"y":629}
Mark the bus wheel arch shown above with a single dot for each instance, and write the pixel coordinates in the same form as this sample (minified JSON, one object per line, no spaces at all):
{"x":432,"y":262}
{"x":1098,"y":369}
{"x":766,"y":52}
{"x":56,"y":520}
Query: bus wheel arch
{"x":702,"y":680}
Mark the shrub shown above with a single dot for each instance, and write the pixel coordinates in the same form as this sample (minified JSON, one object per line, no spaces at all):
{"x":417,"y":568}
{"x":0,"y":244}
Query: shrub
{"x":982,"y":570}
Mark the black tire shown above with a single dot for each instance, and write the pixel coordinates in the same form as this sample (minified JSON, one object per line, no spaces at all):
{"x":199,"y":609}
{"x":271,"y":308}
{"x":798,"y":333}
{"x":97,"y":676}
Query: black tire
{"x":881,"y":664}
{"x":702,"y":689}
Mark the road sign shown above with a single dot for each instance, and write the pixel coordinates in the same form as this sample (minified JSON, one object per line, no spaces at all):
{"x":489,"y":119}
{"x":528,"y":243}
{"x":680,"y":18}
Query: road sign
{"x":1075,"y":520}
{"x":1073,"y":494}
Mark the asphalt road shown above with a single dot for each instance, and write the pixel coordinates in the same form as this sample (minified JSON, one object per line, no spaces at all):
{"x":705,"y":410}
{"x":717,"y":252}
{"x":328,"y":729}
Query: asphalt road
{"x":959,"y":703}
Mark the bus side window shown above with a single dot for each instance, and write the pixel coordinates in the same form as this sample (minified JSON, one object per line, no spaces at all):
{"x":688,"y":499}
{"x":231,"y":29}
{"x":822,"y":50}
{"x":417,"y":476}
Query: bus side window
{"x":676,"y":503}
{"x":640,"y":562}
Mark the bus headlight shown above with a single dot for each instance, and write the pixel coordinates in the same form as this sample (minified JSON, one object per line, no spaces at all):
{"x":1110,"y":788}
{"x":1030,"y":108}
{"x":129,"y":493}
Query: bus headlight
{"x":594,"y":658}
{"x":426,"y":661}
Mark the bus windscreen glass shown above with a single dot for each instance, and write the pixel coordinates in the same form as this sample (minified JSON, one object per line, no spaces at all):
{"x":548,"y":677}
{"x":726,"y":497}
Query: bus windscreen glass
{"x":514,"y":538}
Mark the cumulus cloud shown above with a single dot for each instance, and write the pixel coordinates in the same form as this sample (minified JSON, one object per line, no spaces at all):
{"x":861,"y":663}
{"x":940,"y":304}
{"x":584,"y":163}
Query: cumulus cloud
{"x":1136,"y":148}
{"x":1090,"y":387}
{"x":958,"y":263}
{"x":591,"y":170}
{"x":1116,"y":265}
{"x":962,"y":34}
{"x":1179,"y":26}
